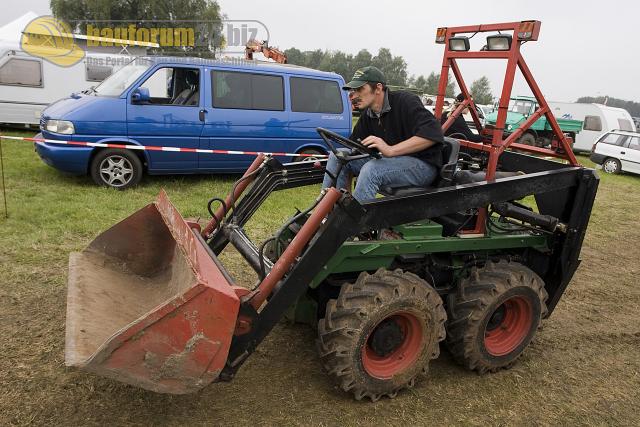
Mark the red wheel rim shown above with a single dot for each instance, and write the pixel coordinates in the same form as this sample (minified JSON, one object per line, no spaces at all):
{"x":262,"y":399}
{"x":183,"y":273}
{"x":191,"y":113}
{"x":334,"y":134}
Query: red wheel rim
{"x":508,"y":326}
{"x":403,"y":356}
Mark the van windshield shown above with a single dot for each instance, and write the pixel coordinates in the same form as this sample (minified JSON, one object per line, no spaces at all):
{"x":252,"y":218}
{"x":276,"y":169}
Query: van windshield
{"x":117,"y":82}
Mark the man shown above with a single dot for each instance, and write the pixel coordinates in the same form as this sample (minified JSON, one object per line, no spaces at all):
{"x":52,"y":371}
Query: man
{"x":406,"y":134}
{"x":459,"y":127}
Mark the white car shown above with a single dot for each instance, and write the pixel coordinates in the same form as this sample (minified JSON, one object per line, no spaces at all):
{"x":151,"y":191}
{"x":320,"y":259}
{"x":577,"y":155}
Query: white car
{"x":617,"y":151}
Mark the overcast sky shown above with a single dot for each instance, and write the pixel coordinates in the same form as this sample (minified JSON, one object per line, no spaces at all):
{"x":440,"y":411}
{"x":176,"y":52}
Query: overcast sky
{"x":585,"y":47}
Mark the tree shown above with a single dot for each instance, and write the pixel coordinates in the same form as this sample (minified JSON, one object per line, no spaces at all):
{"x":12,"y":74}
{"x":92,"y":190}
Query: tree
{"x":362,"y":59}
{"x":481,"y":91}
{"x":432,"y":82}
{"x":295,"y":56}
{"x":314,"y":58}
{"x":420,"y":83}
{"x":393,"y":67}
{"x":79,"y":13}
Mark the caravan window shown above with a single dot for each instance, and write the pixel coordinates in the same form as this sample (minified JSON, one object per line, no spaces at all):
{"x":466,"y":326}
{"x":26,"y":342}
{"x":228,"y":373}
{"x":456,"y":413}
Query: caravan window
{"x":592,"y":123}
{"x":625,"y":124}
{"x":21,"y":72}
{"x":97,"y":72}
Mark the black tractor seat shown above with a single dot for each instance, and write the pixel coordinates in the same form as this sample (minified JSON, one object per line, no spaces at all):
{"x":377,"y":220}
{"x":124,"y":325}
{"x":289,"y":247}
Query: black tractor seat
{"x":449,"y":173}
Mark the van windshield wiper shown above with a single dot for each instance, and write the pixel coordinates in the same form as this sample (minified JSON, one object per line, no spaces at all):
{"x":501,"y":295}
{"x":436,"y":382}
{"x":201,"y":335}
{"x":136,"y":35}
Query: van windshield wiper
{"x":89,"y":91}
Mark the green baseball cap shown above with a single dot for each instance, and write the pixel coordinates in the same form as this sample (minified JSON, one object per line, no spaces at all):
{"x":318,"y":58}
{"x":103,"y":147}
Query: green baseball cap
{"x":364,"y":75}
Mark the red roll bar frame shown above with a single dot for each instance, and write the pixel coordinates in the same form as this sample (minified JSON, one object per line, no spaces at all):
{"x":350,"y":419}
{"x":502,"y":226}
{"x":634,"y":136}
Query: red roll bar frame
{"x":494,"y":144}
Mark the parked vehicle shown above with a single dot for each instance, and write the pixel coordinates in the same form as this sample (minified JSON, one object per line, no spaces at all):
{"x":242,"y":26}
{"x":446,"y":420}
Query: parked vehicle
{"x":596,"y":119}
{"x":540,"y":132}
{"x":618,"y":151}
{"x":193,"y":103}
{"x":28,"y":84}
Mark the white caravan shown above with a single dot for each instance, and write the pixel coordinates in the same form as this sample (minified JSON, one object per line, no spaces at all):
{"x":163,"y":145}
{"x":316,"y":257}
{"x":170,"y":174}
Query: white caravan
{"x":596,"y":120}
{"x":28,"y":84}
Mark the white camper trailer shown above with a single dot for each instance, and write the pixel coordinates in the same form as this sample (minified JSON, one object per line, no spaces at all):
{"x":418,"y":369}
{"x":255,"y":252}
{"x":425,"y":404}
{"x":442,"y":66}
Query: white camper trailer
{"x":596,"y":120}
{"x":28,"y":83}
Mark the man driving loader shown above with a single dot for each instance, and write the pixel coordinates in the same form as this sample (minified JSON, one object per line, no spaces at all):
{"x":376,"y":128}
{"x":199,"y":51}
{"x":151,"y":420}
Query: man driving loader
{"x":408,"y":137}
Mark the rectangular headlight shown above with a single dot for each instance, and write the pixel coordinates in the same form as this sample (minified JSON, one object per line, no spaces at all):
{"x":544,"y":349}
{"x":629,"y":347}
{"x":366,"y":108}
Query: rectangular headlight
{"x":60,"y":126}
{"x":499,"y":42}
{"x":460,"y":44}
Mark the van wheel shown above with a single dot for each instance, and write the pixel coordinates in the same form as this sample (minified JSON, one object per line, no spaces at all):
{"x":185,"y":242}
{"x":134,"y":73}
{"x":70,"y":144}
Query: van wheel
{"x":116,"y":168}
{"x":611,"y":166}
{"x":310,"y":155}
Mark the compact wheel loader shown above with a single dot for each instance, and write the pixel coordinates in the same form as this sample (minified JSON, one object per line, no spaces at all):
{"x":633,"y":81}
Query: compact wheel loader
{"x":474,"y":262}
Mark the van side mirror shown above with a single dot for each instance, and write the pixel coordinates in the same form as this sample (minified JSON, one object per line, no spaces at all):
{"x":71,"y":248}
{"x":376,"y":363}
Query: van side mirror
{"x":140,"y":96}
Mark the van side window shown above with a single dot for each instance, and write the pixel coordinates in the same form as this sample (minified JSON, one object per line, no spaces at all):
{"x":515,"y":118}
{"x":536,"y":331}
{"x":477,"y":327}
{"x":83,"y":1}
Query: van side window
{"x":614,"y":139}
{"x":174,"y":86}
{"x":634,"y":143}
{"x":625,"y":124}
{"x":21,"y":72}
{"x":315,"y":96}
{"x":97,"y":72}
{"x":247,"y":91}
{"x":592,"y":123}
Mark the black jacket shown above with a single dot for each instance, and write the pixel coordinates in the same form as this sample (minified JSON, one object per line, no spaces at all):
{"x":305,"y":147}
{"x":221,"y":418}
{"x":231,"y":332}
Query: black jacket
{"x":406,"y":118}
{"x":460,"y":126}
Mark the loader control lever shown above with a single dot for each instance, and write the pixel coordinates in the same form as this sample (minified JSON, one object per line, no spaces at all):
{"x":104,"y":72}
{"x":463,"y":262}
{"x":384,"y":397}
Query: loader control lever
{"x":329,"y":136}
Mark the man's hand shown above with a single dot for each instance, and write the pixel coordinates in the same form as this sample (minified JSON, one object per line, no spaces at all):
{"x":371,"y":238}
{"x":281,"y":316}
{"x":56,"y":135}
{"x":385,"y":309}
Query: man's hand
{"x":378,"y":143}
{"x":411,"y":145}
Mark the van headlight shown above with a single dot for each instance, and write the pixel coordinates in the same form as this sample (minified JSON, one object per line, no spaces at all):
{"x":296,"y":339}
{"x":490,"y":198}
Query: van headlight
{"x":60,"y":126}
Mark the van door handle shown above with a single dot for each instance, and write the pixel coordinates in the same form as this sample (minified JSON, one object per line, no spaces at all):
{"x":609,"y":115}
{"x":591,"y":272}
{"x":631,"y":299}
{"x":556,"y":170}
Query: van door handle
{"x":201,"y":115}
{"x":623,"y":152}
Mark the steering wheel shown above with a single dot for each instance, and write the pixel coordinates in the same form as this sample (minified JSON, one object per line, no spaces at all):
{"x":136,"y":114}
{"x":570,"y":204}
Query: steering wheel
{"x":329,"y":136}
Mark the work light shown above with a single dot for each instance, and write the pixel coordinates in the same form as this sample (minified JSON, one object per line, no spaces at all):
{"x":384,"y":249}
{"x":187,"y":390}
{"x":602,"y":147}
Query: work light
{"x":460,"y":43}
{"x":499,"y":42}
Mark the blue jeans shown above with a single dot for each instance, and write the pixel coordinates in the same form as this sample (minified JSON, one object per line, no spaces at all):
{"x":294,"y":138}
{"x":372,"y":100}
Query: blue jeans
{"x":401,"y":171}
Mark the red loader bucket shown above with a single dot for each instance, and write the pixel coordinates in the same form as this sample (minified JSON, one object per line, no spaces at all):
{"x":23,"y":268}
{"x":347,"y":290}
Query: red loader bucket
{"x":147,"y":304}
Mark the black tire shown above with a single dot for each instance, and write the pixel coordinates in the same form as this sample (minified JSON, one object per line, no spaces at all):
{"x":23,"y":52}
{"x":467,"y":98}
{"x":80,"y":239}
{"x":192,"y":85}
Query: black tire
{"x":120,"y":169}
{"x":612,"y":166}
{"x":528,"y":139}
{"x":312,"y":151}
{"x":381,"y":333}
{"x":494,"y":315}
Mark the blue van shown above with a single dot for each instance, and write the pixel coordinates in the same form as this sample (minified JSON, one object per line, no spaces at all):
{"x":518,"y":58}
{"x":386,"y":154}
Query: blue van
{"x":192,"y":103}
